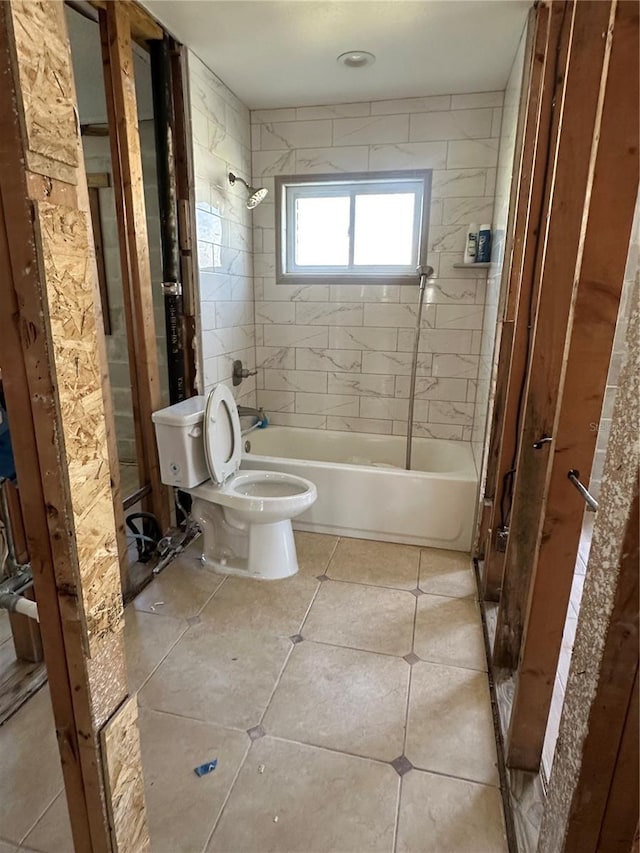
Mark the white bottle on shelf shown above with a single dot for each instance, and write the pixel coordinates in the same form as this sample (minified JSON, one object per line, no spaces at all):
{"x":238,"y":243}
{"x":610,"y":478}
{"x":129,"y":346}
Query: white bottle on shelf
{"x":471,"y":244}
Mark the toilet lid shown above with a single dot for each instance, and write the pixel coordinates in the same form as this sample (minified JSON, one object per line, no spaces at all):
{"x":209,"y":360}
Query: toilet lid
{"x":221,"y":433}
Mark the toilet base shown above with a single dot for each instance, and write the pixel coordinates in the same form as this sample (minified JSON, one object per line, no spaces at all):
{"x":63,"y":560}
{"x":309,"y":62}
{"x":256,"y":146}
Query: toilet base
{"x":258,"y":551}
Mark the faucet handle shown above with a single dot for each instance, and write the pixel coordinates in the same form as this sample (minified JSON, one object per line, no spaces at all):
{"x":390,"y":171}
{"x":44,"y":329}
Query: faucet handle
{"x":240,"y":372}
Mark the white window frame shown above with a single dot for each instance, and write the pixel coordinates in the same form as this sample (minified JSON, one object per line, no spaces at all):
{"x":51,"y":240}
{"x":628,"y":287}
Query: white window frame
{"x":290,"y":188}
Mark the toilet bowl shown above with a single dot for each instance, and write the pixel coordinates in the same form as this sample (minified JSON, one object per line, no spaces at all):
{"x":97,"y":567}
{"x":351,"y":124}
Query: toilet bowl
{"x":245,"y":516}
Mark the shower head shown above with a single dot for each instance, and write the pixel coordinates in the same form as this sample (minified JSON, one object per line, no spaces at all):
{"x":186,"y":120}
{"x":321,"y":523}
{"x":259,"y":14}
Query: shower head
{"x":255,"y":195}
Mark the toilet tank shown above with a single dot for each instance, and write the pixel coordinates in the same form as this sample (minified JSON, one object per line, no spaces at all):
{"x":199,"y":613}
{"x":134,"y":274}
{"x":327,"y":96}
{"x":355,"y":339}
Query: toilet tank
{"x":180,"y":443}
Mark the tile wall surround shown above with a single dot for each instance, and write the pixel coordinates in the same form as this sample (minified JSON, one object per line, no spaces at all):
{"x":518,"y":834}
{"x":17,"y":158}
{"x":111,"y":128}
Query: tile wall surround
{"x":339,"y":356}
{"x":486,"y":366}
{"x":225,"y":320}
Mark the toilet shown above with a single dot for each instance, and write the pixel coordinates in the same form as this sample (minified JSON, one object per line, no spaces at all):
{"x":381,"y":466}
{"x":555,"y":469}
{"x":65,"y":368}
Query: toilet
{"x":245,"y":516}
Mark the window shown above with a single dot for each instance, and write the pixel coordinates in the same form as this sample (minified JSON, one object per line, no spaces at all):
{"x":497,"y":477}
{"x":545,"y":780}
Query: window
{"x":362,"y":228}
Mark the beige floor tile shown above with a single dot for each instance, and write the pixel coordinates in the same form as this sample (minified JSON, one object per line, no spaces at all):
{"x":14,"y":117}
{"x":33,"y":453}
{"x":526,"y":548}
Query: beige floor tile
{"x":223,"y":678}
{"x":378,"y":563}
{"x":31,"y":777}
{"x":183,"y":588}
{"x":450,"y":727}
{"x":148,"y":638}
{"x":314,"y":551}
{"x":10,"y":848}
{"x":440,"y":815}
{"x":181,"y":807}
{"x":363,"y":617}
{"x":275,"y":607}
{"x":447,"y":573}
{"x":322,"y":801}
{"x":342,"y":699}
{"x":52,"y":833}
{"x":449,"y":631}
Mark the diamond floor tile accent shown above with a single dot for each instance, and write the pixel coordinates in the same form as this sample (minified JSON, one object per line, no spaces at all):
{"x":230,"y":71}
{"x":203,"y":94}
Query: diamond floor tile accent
{"x":411,"y":658}
{"x":256,"y":732}
{"x":296,"y":638}
{"x":402,"y":765}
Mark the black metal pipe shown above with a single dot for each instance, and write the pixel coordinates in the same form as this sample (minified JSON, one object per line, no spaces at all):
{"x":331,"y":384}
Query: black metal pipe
{"x":167,"y":198}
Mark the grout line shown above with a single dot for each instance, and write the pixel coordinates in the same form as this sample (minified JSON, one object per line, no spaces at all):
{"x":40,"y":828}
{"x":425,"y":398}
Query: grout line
{"x":38,"y":819}
{"x":277,"y":684}
{"x":176,"y":715}
{"x":213,"y":594}
{"x":406,"y":722}
{"x":286,"y":661}
{"x":227,"y":797}
{"x":376,"y":759}
{"x":333,"y":749}
{"x":186,"y":628}
{"x":394,"y":846}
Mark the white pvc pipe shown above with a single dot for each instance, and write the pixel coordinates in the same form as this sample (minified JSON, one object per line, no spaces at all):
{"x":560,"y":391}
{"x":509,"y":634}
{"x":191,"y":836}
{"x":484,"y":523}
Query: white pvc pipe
{"x":27,"y":608}
{"x":15,"y":603}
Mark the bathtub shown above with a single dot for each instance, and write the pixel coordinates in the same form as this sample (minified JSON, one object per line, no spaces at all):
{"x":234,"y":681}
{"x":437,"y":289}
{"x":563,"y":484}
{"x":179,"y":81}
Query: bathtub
{"x":363,"y":489}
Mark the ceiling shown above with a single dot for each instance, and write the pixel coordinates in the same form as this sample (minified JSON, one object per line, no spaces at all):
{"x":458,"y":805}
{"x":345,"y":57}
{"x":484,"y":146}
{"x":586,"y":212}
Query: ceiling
{"x":278,"y":53}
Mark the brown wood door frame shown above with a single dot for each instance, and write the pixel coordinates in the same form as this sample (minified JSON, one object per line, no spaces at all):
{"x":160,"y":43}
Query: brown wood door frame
{"x":52,"y":349}
{"x":541,"y":124}
{"x":566,"y":403}
{"x":117,"y":57}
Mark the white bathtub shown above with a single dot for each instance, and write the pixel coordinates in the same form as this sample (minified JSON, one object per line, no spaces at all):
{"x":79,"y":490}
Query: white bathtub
{"x":363,"y":489}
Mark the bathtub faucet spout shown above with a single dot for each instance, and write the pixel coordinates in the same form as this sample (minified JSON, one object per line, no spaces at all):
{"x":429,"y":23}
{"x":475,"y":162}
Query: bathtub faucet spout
{"x":248,"y":412}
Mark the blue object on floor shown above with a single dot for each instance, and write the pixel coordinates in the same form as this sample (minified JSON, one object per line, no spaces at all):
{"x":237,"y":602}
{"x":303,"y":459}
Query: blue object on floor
{"x":206,"y":768}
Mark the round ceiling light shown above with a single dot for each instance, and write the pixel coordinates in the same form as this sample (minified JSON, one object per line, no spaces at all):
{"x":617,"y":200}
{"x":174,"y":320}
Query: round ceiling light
{"x":356,"y":58}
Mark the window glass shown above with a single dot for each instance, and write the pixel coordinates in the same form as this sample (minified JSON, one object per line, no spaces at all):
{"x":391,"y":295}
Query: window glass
{"x":322,"y":231}
{"x":383,"y":231}
{"x":361,"y":228}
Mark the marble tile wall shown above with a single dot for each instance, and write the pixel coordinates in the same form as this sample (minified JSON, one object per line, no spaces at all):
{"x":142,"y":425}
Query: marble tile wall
{"x":221,"y":143}
{"x":486,"y":365}
{"x":339,"y":356}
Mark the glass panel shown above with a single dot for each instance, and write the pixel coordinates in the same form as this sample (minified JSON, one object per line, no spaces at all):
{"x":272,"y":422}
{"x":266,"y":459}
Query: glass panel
{"x":322,"y":231}
{"x":384,"y":229}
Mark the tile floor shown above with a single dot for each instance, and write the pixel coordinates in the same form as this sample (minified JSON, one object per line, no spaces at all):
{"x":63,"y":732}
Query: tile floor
{"x":348,"y":709}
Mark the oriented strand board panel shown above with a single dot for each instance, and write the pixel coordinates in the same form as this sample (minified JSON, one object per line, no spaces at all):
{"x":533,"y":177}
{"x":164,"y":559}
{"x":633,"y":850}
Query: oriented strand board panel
{"x":46,"y":84}
{"x":121,"y":754}
{"x":70,"y":294}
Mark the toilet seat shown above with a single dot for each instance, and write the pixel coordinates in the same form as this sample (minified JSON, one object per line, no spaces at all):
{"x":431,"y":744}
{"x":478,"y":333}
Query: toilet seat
{"x":222,"y":434}
{"x":264,"y":494}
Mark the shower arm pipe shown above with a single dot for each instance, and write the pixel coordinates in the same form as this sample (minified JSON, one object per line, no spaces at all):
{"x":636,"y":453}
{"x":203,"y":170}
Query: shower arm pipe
{"x":424,"y":271}
{"x":242,"y":181}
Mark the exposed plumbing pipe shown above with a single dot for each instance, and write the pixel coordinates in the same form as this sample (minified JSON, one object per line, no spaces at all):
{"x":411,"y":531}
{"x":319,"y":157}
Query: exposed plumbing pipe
{"x":15,"y":603}
{"x":424,"y":271}
{"x":12,"y":559}
{"x":163,"y":122}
